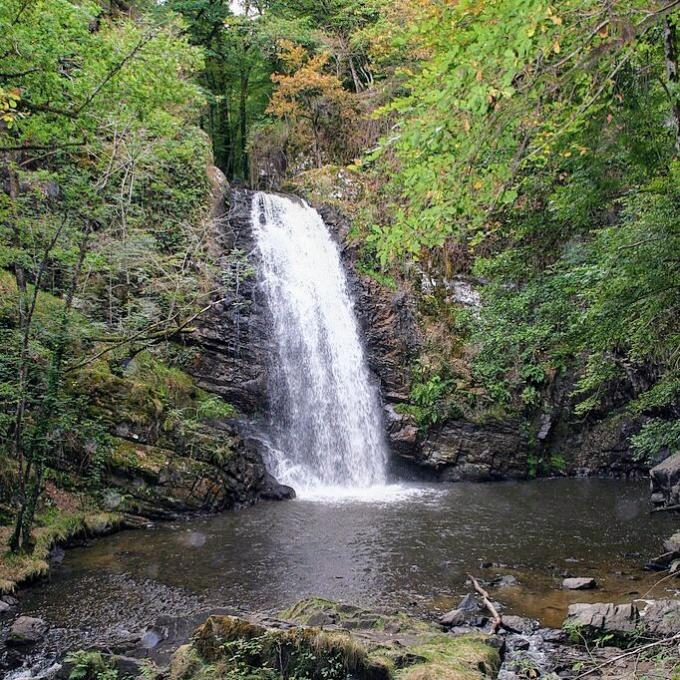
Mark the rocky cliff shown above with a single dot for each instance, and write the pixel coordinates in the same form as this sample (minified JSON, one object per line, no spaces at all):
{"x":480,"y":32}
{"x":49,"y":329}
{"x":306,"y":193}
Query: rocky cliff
{"x":235,"y":345}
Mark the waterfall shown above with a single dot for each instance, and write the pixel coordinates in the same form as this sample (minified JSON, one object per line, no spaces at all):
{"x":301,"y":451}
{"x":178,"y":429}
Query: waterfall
{"x":326,"y":418}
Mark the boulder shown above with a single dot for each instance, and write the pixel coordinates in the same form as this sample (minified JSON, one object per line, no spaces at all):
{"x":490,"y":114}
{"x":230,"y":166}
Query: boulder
{"x":456,"y":617}
{"x":25,"y":631}
{"x":654,"y":618}
{"x":665,"y":478}
{"x":505,"y":581}
{"x":662,"y":562}
{"x":579,"y":583}
{"x":273,"y":491}
{"x":672,"y":544}
{"x":594,"y":620}
{"x":661,"y":618}
{"x":521,"y":625}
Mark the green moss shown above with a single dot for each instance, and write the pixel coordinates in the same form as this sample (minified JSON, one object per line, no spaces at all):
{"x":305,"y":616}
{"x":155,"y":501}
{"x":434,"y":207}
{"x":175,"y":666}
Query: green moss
{"x":447,"y":657}
{"x":228,"y":647}
{"x":53,"y":527}
{"x":138,"y":458}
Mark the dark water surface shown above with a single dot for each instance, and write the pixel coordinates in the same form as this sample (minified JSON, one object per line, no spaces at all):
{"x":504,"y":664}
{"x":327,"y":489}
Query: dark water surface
{"x":408,"y":553}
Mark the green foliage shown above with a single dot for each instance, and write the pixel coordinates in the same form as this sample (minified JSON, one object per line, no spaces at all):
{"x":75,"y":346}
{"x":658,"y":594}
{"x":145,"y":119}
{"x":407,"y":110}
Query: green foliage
{"x":429,"y":400}
{"x":90,"y":666}
{"x":657,"y":437}
{"x":102,"y":217}
{"x":540,"y":144}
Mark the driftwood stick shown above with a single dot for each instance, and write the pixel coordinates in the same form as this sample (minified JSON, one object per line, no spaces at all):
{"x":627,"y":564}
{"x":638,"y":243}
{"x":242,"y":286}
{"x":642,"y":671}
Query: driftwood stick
{"x":667,"y":508}
{"x":496,"y":617}
{"x":637,"y":650}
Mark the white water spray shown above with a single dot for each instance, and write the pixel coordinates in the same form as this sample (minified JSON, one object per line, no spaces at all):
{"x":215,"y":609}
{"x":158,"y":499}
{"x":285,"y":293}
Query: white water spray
{"x":326,"y":421}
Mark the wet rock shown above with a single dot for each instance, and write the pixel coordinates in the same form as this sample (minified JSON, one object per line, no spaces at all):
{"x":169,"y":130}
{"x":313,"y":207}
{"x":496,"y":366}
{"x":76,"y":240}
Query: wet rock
{"x":468,"y":613}
{"x":661,"y":618}
{"x":505,"y":581}
{"x":552,"y":635}
{"x":233,"y":336}
{"x":592,"y":620}
{"x":672,"y":544}
{"x":460,"y":450}
{"x":579,"y":584}
{"x":665,"y":479}
{"x":520,"y":624}
{"x":402,"y":431}
{"x":456,"y":617}
{"x":4,"y":607}
{"x":127,"y":666}
{"x":26,"y":631}
{"x":469,"y":604}
{"x":273,"y":491}
{"x":662,"y":562}
{"x":518,"y":642}
{"x":11,"y":601}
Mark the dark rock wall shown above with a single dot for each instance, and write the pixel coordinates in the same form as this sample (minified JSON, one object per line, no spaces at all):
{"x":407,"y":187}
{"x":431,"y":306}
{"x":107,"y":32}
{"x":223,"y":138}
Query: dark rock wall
{"x":234,"y":336}
{"x":235,"y":345}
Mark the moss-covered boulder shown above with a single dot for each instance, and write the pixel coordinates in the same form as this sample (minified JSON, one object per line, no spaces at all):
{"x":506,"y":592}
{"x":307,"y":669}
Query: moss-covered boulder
{"x":345,"y":642}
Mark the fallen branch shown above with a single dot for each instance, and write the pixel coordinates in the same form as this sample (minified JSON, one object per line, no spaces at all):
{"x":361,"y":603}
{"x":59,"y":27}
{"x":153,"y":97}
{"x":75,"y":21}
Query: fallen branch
{"x":637,"y":650}
{"x":666,"y":508}
{"x":497,"y":619}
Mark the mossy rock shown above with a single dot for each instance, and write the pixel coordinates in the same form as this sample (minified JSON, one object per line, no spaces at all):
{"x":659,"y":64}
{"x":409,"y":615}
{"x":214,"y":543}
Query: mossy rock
{"x":210,"y":638}
{"x":315,"y":611}
{"x":449,"y":657}
{"x":230,"y":647}
{"x":226,"y":646}
{"x":142,"y":459}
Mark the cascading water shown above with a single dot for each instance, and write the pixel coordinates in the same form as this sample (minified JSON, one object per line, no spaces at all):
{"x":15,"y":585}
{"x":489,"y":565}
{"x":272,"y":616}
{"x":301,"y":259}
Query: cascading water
{"x":326,"y":421}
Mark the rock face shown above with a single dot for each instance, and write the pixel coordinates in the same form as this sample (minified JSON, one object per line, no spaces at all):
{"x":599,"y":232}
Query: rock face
{"x":233,"y":336}
{"x":666,"y":482}
{"x":654,"y":618}
{"x":460,"y":450}
{"x":161,"y":484}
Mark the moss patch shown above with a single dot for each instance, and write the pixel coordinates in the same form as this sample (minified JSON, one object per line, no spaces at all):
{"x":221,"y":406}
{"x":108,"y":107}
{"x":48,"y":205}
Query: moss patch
{"x":54,"y":527}
{"x":463,"y":657}
{"x":229,"y":647}
{"x":385,"y":648}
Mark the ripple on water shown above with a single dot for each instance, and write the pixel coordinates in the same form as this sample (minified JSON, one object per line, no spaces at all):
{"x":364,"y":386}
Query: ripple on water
{"x":385,"y":546}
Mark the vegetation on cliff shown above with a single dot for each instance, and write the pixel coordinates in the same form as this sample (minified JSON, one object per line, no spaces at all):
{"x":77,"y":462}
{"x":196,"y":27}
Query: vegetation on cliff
{"x":103,"y":221}
{"x":529,"y":147}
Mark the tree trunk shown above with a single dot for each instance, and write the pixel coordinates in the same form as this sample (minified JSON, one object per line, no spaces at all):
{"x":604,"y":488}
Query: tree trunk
{"x":33,"y":480}
{"x":358,"y":86}
{"x":243,"y":123}
{"x":671,"y":56}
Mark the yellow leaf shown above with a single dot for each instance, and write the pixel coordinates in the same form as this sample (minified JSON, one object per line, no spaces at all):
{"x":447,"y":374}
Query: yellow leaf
{"x":556,"y":47}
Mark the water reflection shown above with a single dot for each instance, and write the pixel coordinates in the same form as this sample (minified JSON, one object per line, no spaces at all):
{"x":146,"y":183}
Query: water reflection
{"x":417,"y":550}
